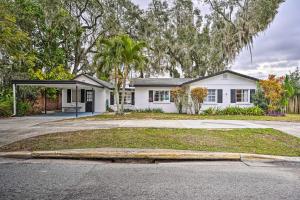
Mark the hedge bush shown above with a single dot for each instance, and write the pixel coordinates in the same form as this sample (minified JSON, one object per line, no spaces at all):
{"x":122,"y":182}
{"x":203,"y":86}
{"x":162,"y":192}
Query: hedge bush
{"x":149,"y":110}
{"x":255,"y":110}
{"x":23,"y":108}
{"x":5,"y":104}
{"x":5,"y":109}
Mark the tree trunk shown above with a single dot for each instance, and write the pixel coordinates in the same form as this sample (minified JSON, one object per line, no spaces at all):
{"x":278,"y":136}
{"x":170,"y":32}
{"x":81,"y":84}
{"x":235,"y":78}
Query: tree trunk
{"x":116,"y":90}
{"x":123,"y":89}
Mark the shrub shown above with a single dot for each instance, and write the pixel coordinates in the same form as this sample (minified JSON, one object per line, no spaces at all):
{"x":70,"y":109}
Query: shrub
{"x":198,"y":95}
{"x":128,"y":110}
{"x":259,"y":99}
{"x":149,"y":110}
{"x":5,"y":109}
{"x":273,"y":91}
{"x":23,"y":108}
{"x":180,"y":98}
{"x":255,"y":110}
{"x":212,"y":111}
{"x":5,"y":104}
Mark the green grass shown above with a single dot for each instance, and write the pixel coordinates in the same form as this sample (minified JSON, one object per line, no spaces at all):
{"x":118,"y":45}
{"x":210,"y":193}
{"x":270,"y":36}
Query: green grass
{"x":174,"y":116}
{"x":260,"y":141}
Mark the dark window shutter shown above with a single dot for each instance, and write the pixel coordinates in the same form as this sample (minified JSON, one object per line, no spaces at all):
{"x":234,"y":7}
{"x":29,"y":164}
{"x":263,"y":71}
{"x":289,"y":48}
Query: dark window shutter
{"x":82,"y":95}
{"x":232,"y":96}
{"x":68,"y":95}
{"x":112,"y":98}
{"x":132,"y":98}
{"x":252,"y":93}
{"x":220,"y":96}
{"x":171,"y":97}
{"x":150,"y":96}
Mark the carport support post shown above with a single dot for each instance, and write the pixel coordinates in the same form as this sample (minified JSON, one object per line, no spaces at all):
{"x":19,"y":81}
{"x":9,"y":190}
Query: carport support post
{"x":45,"y":103}
{"x":93,"y":105}
{"x":76,"y":101}
{"x":15,"y":100}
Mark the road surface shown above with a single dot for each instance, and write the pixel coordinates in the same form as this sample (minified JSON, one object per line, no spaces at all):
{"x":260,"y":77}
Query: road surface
{"x":68,"y":179}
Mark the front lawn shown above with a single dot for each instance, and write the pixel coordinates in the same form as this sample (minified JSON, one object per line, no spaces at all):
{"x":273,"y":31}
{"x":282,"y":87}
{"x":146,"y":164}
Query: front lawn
{"x":260,"y":141}
{"x":174,"y":116}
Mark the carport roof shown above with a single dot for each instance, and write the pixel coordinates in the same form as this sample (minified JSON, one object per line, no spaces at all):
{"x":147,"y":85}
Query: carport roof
{"x":54,"y":83}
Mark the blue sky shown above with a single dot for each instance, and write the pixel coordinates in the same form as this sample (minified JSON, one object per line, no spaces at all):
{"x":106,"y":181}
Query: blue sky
{"x":276,"y":50}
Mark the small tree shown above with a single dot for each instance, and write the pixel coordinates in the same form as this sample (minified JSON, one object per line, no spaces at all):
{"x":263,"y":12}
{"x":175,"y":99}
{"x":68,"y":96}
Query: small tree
{"x":259,"y":99}
{"x":288,"y":92}
{"x":273,"y":91}
{"x":180,"y":97}
{"x":198,"y":95}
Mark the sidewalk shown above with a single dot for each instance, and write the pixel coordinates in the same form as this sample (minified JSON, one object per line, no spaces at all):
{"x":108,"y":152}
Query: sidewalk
{"x":151,"y":155}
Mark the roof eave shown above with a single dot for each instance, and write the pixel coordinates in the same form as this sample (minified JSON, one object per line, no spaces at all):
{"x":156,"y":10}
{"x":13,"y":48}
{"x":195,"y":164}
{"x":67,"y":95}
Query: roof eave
{"x":219,"y":73}
{"x":47,"y":82}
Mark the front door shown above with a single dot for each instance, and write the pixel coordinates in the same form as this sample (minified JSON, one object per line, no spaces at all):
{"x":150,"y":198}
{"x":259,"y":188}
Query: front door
{"x":89,"y":101}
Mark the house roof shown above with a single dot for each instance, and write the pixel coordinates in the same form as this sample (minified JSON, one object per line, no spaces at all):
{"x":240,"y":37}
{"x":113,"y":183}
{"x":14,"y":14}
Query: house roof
{"x":170,"y":82}
{"x":158,"y":82}
{"x":219,"y":73}
{"x":53,"y":83}
{"x":101,"y":82}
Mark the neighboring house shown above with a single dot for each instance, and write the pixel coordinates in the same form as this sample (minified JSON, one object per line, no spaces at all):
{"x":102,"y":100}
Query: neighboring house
{"x":226,"y":88}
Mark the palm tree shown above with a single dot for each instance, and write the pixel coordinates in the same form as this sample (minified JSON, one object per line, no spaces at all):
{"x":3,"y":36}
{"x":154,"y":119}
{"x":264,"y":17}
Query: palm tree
{"x":108,"y":61}
{"x":132,"y":58}
{"x":120,"y":55}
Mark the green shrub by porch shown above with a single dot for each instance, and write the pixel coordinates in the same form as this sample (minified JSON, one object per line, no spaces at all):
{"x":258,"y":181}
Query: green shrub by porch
{"x":255,"y":110}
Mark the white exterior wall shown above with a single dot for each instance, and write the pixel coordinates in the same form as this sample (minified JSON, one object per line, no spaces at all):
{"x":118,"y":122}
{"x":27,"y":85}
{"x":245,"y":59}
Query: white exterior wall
{"x":226,"y":84}
{"x":216,"y":82}
{"x":100,"y":98}
{"x":85,"y":79}
{"x":142,"y":96}
{"x":101,"y":94}
{"x":72,"y":104}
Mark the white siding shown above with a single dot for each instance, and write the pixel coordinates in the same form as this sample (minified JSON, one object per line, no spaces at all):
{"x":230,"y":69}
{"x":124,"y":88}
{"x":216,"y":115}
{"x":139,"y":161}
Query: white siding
{"x":216,"y":82}
{"x":85,"y":79}
{"x":72,"y":104}
{"x":226,"y":84}
{"x":142,"y":96}
{"x":100,"y":98}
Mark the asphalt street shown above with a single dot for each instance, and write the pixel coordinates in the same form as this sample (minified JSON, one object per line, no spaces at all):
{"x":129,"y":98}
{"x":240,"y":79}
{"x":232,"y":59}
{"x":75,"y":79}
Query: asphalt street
{"x":69,"y":179}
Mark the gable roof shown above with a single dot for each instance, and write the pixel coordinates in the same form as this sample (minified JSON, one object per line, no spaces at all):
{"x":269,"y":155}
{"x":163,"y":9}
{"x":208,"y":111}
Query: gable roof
{"x":158,"y":82}
{"x":171,"y":82}
{"x":101,"y":82}
{"x":219,"y":73}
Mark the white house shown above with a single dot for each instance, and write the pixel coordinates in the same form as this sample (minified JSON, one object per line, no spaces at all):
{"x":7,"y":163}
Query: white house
{"x":226,"y":88}
{"x":88,"y":94}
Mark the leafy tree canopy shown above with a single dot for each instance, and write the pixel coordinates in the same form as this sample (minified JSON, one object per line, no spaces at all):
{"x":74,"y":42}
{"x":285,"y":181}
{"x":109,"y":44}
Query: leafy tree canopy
{"x":38,"y":36}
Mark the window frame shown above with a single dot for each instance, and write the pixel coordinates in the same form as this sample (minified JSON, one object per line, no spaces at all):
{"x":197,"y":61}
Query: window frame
{"x":128,"y":96}
{"x":73,"y":92}
{"x":207,"y":97}
{"x":242,"y":96}
{"x":165,"y":93}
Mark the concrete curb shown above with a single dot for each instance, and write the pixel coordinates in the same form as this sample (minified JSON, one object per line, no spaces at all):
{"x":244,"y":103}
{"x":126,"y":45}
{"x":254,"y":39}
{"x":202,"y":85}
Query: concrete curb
{"x":144,"y":154}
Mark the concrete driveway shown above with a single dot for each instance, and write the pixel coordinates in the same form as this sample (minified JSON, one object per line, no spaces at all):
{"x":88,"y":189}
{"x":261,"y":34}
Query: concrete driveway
{"x":18,"y":128}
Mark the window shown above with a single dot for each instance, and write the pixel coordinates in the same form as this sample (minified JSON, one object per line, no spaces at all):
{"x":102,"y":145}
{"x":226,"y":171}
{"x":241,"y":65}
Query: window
{"x":89,"y":96}
{"x":242,"y":96}
{"x":161,"y":96}
{"x":74,"y":96}
{"x":69,"y":96}
{"x":211,"y":96}
{"x":127,"y":99}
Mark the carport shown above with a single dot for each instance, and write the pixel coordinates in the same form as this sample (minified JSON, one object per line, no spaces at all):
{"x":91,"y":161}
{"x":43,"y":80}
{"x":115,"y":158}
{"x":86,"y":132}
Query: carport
{"x":60,"y":84}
